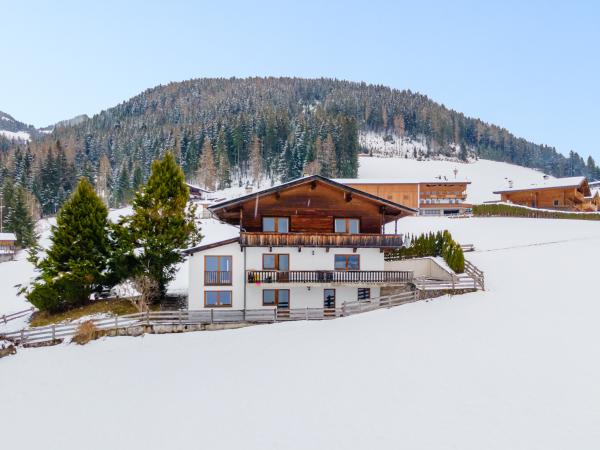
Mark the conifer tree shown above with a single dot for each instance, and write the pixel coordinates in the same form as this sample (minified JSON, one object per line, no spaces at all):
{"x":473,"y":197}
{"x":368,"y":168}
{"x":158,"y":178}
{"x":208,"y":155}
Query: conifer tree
{"x":256,"y":166}
{"x":76,"y":262}
{"x":19,"y":220}
{"x":207,"y":171}
{"x":161,"y":225}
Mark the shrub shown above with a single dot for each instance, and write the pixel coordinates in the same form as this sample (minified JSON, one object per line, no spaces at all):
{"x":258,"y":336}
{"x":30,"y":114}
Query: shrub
{"x":432,"y":244}
{"x":86,"y":332}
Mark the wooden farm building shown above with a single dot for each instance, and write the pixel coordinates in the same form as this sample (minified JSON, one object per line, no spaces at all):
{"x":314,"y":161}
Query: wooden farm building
{"x":8,"y":246}
{"x":569,"y":194}
{"x":435,"y":197}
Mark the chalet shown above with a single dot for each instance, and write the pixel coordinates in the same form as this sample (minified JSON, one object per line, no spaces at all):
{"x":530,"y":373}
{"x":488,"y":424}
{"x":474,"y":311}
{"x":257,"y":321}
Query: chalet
{"x":8,"y":246}
{"x":308,"y":243}
{"x":434,"y":197}
{"x":567,"y":194}
{"x":198,"y":193}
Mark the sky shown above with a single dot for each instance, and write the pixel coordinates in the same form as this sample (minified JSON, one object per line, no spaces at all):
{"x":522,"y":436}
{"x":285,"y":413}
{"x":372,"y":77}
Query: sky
{"x":531,"y":67}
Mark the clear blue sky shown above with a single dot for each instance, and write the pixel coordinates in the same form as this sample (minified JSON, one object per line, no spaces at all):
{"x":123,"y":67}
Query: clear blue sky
{"x":534,"y":68}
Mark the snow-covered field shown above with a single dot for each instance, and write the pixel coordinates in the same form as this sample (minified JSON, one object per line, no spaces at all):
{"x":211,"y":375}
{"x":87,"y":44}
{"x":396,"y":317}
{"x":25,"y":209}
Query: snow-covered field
{"x":515,"y":367}
{"x":18,"y":135}
{"x":485,"y":176}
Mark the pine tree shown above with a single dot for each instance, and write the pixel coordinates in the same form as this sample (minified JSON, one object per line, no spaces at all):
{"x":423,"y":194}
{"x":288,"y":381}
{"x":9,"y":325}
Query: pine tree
{"x":76,"y":262}
{"x":207,"y":171}
{"x":161,"y":225}
{"x":327,"y":160}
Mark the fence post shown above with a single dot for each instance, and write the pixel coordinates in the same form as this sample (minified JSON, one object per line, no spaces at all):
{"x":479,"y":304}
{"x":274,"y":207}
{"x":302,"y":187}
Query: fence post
{"x":116,"y":322}
{"x":344,"y":308}
{"x":53,"y":332}
{"x":275,"y":314}
{"x":306,"y":314}
{"x":22,"y":336}
{"x":212,"y":311}
{"x":4,"y":319}
{"x":180,"y":317}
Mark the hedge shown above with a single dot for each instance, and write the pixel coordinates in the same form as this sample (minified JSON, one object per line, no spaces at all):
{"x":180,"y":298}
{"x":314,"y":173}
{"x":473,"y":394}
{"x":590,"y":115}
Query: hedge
{"x":504,"y":210}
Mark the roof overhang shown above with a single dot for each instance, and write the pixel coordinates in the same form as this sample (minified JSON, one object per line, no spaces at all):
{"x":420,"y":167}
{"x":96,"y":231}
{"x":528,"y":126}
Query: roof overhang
{"x":391,"y":208}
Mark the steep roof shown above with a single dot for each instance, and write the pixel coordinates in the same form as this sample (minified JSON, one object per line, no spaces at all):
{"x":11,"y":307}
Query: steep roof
{"x":8,"y":237}
{"x":312,"y":179}
{"x":199,"y":248}
{"x":551,"y":183}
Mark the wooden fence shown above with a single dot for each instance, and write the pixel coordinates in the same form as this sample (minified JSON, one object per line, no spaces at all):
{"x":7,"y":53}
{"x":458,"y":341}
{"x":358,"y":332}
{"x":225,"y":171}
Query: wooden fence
{"x":17,"y":315}
{"x":475,"y":273}
{"x":182,"y":318}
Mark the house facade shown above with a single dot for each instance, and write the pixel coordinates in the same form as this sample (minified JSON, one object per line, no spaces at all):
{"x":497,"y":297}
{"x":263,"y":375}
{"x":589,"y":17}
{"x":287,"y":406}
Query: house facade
{"x":434,"y":197}
{"x":8,"y":246}
{"x":309,"y":243}
{"x":568,"y":194}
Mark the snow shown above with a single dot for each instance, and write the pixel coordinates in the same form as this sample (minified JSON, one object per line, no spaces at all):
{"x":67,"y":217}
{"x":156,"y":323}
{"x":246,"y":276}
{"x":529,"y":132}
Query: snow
{"x":19,"y":135}
{"x":485,"y":176}
{"x":8,"y":237}
{"x":548,"y":184}
{"x":515,"y":367}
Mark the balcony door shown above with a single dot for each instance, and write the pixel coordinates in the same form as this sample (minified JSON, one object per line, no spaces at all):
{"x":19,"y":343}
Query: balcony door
{"x":217,"y":270}
{"x":279,"y":262}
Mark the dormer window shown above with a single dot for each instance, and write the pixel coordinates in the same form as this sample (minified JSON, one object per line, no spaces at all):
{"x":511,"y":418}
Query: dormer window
{"x":276,"y":224}
{"x":347,"y":225}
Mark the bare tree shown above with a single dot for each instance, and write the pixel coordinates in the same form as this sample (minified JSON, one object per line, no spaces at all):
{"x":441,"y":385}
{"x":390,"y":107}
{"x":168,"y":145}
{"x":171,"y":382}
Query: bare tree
{"x":207,"y":170}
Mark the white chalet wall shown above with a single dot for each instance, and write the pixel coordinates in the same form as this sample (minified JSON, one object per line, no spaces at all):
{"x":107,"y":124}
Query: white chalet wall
{"x":306,"y":295}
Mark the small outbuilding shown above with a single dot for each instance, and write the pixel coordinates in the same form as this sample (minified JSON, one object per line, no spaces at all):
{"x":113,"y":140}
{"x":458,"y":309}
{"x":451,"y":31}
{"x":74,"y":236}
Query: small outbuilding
{"x":8,"y":246}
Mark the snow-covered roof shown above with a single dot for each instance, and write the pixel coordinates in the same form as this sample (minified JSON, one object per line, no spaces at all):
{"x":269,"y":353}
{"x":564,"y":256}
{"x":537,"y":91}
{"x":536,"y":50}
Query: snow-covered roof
{"x":550,"y":183}
{"x":398,"y":181}
{"x":198,"y":188}
{"x":8,"y":237}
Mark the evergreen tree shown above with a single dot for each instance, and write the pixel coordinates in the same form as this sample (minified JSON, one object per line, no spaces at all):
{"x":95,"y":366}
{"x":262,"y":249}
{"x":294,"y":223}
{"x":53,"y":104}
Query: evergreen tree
{"x":19,"y":220}
{"x":161,"y":225}
{"x":76,"y":262}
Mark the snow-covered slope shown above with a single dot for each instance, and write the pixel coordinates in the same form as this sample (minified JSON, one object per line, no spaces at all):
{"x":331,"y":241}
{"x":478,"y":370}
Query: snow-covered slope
{"x":515,"y":367}
{"x":485,"y":176}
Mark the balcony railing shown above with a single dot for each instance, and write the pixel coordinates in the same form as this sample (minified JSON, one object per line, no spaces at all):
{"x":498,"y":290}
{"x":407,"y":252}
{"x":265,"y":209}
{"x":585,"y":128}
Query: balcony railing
{"x":217,"y":278}
{"x":248,"y":239}
{"x":329,"y":276}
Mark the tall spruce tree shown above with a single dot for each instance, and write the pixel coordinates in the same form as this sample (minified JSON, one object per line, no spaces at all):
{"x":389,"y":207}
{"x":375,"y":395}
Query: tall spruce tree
{"x":76,"y":263}
{"x":19,"y":220}
{"x":161,"y":225}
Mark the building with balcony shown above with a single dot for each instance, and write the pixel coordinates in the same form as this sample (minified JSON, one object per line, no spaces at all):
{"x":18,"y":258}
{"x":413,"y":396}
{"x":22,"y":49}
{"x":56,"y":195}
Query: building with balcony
{"x":568,"y":194}
{"x":434,"y":197}
{"x":308,"y":243}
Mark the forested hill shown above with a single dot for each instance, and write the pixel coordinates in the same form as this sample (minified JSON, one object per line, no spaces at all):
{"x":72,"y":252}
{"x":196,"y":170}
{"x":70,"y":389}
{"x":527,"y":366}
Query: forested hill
{"x":225,"y":131}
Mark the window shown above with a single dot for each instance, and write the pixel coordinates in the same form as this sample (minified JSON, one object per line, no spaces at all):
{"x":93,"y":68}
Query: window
{"x":328,"y":298}
{"x":217,"y":270}
{"x":276,"y":297}
{"x":556,"y":202}
{"x":347,"y":262}
{"x":350,"y":226}
{"x":215,"y":299}
{"x":364,"y":293}
{"x":276,"y":224}
{"x":280,"y":262}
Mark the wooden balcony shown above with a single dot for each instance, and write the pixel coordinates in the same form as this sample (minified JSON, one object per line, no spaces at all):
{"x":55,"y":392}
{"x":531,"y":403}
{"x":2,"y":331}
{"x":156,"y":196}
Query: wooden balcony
{"x":362,"y":240}
{"x":329,"y":276}
{"x":217,"y":278}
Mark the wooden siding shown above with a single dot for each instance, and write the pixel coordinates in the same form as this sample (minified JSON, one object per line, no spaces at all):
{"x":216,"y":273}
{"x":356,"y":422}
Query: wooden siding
{"x":321,"y":240}
{"x":555,"y":198}
{"x":311,"y":208}
{"x":408,"y":193}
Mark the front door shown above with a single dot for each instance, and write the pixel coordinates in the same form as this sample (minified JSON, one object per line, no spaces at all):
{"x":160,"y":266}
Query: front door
{"x":329,"y":302}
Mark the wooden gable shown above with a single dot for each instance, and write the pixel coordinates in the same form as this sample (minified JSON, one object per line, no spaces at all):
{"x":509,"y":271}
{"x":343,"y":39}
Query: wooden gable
{"x":311,"y":204}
